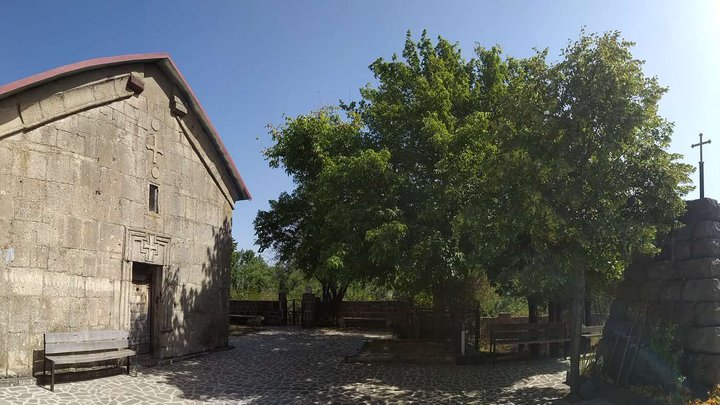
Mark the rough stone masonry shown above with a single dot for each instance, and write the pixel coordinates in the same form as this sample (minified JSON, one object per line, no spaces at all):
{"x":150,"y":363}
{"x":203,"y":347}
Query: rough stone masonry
{"x":678,"y":291}
{"x":116,"y":199}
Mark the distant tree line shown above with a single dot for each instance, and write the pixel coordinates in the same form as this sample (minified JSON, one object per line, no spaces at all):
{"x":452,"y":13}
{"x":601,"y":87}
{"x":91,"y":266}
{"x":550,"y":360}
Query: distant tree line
{"x":253,"y":278}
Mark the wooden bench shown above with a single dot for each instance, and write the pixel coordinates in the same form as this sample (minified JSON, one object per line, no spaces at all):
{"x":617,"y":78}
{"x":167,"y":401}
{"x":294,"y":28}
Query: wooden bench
{"x":343,"y":321}
{"x":85,"y":347}
{"x":251,"y":320}
{"x":526,"y":333}
{"x":591,"y":336}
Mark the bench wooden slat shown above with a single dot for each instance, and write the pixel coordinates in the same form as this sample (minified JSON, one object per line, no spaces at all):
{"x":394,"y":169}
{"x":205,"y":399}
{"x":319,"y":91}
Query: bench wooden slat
{"x":516,"y":334}
{"x":91,"y":357}
{"x":86,"y":346}
{"x":530,"y":331}
{"x":84,"y":336}
{"x":525,"y":333}
{"x":526,"y":326}
{"x":528,"y":336}
{"x":542,"y":339}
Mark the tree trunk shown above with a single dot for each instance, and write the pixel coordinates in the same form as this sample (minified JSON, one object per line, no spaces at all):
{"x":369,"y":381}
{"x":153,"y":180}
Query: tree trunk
{"x":533,"y":317}
{"x":588,"y":306}
{"x":341,"y":291}
{"x":577,"y":318}
{"x":555,"y":315}
{"x":553,"y":318}
{"x":533,"y":313}
{"x":332,"y":292}
{"x":332,"y":296}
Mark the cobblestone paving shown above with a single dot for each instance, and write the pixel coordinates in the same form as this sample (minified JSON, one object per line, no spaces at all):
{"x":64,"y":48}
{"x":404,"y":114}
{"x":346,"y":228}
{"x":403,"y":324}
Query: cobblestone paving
{"x":281,"y":366}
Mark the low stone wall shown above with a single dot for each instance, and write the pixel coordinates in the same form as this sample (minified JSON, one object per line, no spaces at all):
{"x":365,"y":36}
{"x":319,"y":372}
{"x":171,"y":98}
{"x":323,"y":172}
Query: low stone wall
{"x":269,"y":310}
{"x":394,"y":312}
{"x":400,"y":316}
{"x":390,"y":310}
{"x":327,"y":314}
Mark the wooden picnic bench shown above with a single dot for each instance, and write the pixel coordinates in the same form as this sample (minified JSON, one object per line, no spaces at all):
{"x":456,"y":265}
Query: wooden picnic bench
{"x":526,"y":333}
{"x":85,"y":347}
{"x":249,"y":319}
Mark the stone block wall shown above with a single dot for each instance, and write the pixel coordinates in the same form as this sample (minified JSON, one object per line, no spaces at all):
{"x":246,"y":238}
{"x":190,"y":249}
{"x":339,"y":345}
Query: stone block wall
{"x":76,"y":160}
{"x":680,"y":288}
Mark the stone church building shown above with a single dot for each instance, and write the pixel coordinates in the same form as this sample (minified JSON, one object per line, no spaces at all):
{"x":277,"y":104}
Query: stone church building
{"x":116,"y":199}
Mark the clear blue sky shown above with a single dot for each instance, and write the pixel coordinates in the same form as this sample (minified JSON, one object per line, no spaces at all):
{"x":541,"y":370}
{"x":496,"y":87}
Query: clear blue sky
{"x":250,"y":63}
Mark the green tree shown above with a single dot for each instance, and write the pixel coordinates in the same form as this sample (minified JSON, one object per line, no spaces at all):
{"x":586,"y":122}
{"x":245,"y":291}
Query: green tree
{"x":340,"y":215}
{"x":381,"y":196}
{"x":535,"y":173}
{"x":431,"y":110}
{"x":593,"y":184}
{"x":251,"y":277}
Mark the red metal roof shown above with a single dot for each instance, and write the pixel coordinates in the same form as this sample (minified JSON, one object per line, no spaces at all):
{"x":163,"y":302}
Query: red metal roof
{"x":164,"y":60}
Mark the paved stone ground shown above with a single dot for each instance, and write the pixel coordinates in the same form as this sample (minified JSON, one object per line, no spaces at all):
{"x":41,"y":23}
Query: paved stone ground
{"x":281,"y":366}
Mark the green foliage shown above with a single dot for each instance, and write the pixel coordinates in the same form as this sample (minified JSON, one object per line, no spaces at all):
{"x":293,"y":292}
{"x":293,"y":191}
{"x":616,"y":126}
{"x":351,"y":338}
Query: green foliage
{"x":253,"y":279}
{"x":250,"y":275}
{"x":491,"y":302}
{"x":598,"y":187}
{"x":593,"y":185}
{"x":657,"y":393}
{"x":665,"y":342}
{"x":369,"y":292}
{"x":428,"y":111}
{"x":329,"y":225}
{"x":449,"y":170}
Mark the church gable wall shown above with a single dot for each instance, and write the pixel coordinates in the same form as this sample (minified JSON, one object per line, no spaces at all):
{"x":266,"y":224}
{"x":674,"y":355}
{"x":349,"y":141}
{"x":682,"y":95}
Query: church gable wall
{"x":75,"y":172}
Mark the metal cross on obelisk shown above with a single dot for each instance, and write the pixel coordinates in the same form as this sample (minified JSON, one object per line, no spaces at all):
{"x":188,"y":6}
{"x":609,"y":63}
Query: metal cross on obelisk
{"x":702,"y":171}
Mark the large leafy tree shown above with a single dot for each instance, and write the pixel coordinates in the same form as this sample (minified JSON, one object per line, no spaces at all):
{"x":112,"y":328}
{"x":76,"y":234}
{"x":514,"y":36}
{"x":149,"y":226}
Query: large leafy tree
{"x":595,"y":184}
{"x":340,"y":215}
{"x":382,"y":195}
{"x":432,"y":111}
{"x":538,"y":173}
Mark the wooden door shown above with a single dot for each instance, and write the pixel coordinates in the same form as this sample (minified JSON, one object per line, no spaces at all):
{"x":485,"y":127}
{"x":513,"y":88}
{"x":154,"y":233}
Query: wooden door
{"x":140,"y":322}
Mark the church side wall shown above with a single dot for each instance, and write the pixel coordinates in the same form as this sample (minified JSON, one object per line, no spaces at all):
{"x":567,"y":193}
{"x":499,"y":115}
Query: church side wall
{"x":72,"y":189}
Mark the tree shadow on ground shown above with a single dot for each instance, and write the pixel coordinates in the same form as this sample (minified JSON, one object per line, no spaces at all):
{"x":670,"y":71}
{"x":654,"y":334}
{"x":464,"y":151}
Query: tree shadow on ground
{"x":292,"y":365}
{"x":286,"y":365}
